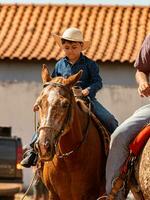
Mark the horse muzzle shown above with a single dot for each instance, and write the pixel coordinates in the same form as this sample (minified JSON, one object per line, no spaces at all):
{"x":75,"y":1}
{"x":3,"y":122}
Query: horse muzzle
{"x":45,"y":150}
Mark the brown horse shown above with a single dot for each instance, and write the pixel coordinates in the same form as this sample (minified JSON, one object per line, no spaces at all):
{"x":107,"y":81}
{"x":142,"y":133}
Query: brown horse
{"x":68,"y":143}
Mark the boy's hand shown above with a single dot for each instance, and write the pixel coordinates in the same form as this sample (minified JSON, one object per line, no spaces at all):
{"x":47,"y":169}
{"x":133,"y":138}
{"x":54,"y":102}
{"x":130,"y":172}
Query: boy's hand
{"x":144,"y":89}
{"x":85,"y":92}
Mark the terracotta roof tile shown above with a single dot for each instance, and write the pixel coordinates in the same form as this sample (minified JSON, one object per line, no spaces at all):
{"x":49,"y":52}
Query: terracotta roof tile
{"x":116,"y":32}
{"x":13,"y":37}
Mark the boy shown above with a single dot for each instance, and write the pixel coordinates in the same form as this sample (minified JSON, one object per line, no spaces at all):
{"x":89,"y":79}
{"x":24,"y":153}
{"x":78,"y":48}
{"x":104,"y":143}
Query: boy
{"x":72,"y":43}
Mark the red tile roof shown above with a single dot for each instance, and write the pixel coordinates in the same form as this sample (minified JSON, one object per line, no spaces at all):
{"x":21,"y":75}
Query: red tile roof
{"x":116,"y":32}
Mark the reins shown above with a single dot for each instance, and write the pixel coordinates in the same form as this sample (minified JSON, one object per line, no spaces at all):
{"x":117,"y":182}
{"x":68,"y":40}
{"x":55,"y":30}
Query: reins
{"x":64,"y":155}
{"x":35,"y":173}
{"x":32,"y":181}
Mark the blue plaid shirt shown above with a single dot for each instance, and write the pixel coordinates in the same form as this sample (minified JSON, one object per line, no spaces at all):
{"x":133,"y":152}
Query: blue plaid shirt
{"x":90,"y":77}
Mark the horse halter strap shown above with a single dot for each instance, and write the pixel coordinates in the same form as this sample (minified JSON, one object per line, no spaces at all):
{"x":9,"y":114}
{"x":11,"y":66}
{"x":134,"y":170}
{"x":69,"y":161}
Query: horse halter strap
{"x":64,"y":155}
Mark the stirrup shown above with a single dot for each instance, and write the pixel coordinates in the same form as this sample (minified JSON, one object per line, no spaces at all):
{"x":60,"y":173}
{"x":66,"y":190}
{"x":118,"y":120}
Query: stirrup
{"x":103,"y":196}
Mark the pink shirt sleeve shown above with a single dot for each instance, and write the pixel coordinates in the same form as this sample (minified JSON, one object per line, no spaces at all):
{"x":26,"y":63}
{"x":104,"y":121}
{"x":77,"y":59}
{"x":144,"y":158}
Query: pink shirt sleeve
{"x":142,"y":61}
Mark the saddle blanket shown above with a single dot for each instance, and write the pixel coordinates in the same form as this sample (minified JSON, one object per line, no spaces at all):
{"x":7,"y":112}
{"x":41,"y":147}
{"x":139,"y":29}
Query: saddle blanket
{"x":139,"y":142}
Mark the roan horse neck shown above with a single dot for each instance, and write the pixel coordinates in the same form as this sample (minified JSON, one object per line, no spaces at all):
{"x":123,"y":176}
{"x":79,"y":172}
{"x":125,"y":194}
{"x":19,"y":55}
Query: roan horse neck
{"x":73,"y":139}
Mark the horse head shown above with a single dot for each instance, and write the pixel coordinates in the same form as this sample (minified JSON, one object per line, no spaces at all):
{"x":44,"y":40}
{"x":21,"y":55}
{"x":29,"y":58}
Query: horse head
{"x":55,"y":111}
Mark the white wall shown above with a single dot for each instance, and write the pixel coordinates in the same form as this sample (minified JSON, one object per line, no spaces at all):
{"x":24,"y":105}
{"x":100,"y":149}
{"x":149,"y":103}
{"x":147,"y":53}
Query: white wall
{"x":16,"y":101}
{"x":121,"y":101}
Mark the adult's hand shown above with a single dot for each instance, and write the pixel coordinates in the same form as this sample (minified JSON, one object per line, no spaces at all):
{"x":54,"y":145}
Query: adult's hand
{"x":144,"y":89}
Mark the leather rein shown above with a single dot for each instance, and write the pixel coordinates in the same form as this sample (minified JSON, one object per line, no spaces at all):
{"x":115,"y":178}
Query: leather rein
{"x":68,"y":116}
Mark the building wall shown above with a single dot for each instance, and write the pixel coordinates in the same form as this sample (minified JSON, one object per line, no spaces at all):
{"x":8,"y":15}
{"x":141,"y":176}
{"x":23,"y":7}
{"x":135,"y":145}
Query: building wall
{"x":20,"y":84}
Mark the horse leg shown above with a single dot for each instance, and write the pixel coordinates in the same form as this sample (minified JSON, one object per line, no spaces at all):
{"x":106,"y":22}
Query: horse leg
{"x":51,"y":193}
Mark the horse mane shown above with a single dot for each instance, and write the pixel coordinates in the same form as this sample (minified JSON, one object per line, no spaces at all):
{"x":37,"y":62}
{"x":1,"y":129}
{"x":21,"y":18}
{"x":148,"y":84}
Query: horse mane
{"x":81,"y":104}
{"x":103,"y":133}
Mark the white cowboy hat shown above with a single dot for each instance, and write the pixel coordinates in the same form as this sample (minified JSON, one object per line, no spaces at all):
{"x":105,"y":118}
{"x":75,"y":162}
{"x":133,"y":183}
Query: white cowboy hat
{"x":72,"y":34}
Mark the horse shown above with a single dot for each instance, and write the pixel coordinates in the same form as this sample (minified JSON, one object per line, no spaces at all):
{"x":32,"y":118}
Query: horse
{"x":135,"y":172}
{"x":68,"y":143}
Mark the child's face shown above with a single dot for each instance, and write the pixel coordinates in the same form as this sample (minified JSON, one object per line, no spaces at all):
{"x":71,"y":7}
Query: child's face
{"x":72,"y":50}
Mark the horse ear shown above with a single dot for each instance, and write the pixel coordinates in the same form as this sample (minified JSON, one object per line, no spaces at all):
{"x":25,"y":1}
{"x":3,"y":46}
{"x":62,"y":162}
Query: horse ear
{"x":71,"y":80}
{"x":45,"y":74}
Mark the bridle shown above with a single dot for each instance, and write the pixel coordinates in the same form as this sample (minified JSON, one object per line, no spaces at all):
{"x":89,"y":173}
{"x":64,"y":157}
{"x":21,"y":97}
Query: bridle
{"x":66,"y":121}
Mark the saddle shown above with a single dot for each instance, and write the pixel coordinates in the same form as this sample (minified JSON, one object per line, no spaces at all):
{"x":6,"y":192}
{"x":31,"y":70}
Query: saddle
{"x":126,"y":176}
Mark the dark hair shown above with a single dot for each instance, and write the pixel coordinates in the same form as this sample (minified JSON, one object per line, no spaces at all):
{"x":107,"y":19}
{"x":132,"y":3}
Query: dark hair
{"x":63,"y":41}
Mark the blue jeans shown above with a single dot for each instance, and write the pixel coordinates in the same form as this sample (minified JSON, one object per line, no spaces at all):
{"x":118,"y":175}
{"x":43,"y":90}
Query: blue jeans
{"x":107,"y":119}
